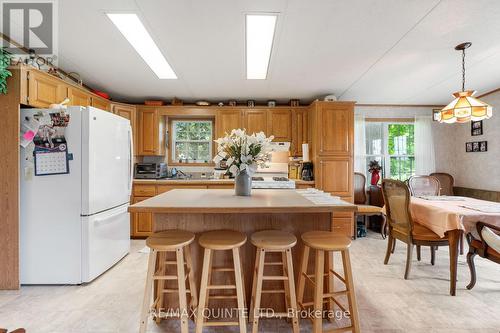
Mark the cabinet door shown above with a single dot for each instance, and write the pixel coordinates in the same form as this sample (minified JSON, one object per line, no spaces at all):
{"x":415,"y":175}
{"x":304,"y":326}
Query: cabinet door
{"x":299,"y":131}
{"x":43,"y":90}
{"x":142,"y":223}
{"x":227,"y":120}
{"x":343,"y":226}
{"x":78,"y":97}
{"x":148,"y":132}
{"x":336,"y":129}
{"x":128,"y":112}
{"x":101,"y":103}
{"x":279,"y":124}
{"x":255,"y":121}
{"x":334,"y":175}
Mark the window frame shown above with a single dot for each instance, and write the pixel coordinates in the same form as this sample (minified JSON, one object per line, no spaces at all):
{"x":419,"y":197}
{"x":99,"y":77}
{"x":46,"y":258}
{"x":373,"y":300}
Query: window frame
{"x":171,"y":141}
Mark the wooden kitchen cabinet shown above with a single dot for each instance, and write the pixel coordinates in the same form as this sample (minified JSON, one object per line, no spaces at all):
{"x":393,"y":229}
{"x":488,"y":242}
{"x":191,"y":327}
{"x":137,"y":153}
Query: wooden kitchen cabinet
{"x":128,"y":112}
{"x":299,"y":131}
{"x":151,"y":141}
{"x":335,"y":127}
{"x":335,"y":175}
{"x":78,"y":97}
{"x":255,"y":121}
{"x":44,"y":89}
{"x":227,"y":120}
{"x":101,"y":103}
{"x":142,"y":223}
{"x":279,"y":124}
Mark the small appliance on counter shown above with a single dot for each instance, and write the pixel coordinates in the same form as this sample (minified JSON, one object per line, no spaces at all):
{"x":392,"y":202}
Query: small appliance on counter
{"x":307,"y":171}
{"x":150,"y":171}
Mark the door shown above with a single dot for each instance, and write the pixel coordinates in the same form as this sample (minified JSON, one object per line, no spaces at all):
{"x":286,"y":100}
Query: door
{"x":255,"y":121}
{"x":107,"y":159}
{"x":279,"y":124}
{"x":299,"y":131}
{"x":127,"y":112}
{"x":105,"y":240}
{"x":43,"y":90}
{"x":142,"y":222}
{"x":335,"y":176}
{"x":148,"y":132}
{"x":78,"y":97}
{"x":227,"y":120}
{"x":336,"y":129}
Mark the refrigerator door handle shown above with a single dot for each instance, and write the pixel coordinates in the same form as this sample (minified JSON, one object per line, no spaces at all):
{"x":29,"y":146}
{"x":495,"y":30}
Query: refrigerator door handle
{"x":131,"y":160}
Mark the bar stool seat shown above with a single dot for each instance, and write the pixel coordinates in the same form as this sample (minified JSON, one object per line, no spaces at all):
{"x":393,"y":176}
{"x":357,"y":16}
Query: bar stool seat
{"x":169,"y":240}
{"x":222,"y":240}
{"x":273,"y":240}
{"x":326,"y":241}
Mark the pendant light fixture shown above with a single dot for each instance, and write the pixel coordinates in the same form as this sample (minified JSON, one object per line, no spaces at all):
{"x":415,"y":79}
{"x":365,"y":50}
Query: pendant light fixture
{"x":464,"y":107}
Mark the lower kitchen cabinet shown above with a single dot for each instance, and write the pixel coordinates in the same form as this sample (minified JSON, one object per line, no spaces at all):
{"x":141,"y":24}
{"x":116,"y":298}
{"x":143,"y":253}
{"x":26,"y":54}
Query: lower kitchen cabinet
{"x":142,"y":223}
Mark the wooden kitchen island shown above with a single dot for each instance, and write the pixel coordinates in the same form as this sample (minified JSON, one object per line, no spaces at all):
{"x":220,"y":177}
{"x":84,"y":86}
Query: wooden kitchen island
{"x":200,"y":210}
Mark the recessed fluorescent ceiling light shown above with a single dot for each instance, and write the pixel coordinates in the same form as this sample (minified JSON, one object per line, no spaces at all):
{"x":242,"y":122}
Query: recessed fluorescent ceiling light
{"x":259,"y":38}
{"x":134,"y":31}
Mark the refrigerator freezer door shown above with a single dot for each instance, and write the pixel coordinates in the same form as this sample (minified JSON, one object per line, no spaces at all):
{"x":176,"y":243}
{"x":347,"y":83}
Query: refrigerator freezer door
{"x":106,"y":171}
{"x":106,"y":239}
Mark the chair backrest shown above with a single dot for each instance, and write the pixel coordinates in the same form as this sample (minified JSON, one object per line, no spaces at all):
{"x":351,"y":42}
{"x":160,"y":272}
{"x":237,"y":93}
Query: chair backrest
{"x":446,"y":180}
{"x":397,"y":204}
{"x":359,"y":188}
{"x":424,"y":185}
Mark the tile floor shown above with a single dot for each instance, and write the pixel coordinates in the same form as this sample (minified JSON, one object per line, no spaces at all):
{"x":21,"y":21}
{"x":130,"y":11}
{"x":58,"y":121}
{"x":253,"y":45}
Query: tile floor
{"x":387,"y":303}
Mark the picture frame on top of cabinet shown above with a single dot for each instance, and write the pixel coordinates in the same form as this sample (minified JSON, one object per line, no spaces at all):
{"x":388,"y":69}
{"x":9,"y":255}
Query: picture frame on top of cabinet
{"x":435,"y":114}
{"x":232,"y":102}
{"x":476,"y":128}
{"x":250,"y":103}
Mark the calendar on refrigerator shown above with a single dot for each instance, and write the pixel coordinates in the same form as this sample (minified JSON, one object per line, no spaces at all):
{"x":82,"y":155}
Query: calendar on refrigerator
{"x":51,"y":163}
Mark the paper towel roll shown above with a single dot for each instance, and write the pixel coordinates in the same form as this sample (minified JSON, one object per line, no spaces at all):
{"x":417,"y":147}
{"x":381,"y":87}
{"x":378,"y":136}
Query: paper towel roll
{"x":305,"y":152}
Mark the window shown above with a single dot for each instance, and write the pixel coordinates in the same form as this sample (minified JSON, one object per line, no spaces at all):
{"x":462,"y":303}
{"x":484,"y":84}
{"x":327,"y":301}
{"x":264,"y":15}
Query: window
{"x":393,"y":145}
{"x":192,"y":141}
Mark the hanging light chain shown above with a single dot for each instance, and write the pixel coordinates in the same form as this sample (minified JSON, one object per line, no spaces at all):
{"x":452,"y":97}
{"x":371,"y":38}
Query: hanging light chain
{"x":463,"y":69}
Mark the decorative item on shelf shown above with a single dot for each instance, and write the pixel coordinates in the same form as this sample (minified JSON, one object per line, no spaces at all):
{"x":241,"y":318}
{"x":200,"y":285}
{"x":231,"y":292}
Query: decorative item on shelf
{"x":436,"y":114}
{"x":330,"y":98}
{"x":76,"y":77}
{"x":153,"y":102}
{"x":250,"y":103}
{"x":244,"y":153}
{"x":176,"y":101}
{"x":271,"y":103}
{"x":465,"y":107}
{"x":476,"y":128}
{"x":220,"y":104}
{"x":476,"y":147}
{"x":374,"y":169}
{"x":232,"y":102}
{"x":295,"y":102}
{"x":53,"y":71}
{"x":4,"y":70}
{"x":202,"y":103}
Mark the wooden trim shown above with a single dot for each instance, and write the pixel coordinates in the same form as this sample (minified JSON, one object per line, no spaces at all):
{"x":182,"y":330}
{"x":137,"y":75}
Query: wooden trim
{"x":489,"y":93}
{"x":402,"y":105}
{"x":9,"y":178}
{"x":390,"y":120}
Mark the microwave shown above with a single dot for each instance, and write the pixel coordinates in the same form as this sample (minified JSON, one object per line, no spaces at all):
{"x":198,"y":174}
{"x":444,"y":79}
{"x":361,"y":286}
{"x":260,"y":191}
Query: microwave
{"x":150,"y":170}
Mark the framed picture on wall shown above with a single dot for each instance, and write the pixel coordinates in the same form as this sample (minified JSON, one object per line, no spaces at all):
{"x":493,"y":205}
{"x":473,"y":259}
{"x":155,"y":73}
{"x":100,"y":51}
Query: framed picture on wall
{"x":468,"y":147}
{"x":476,"y":128}
{"x":475,"y":147}
{"x":435,"y":114}
{"x":483,"y":146}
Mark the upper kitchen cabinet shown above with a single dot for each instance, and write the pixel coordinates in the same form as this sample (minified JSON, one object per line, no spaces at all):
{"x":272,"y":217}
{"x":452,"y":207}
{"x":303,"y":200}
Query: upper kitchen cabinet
{"x":151,"y":140}
{"x":101,"y":103}
{"x":299,"y":130}
{"x":279,"y":124}
{"x":335,"y":128}
{"x":44,"y":89}
{"x":255,"y":121}
{"x":128,"y":112}
{"x":228,"y":120}
{"x":78,"y":97}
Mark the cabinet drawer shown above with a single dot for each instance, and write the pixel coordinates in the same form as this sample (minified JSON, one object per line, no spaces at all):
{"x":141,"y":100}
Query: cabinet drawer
{"x":144,"y":190}
{"x":164,"y":188}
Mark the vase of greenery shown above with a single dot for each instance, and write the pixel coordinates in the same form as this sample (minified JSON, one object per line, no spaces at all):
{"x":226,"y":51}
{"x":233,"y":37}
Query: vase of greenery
{"x":4,"y":70}
{"x":374,"y":169}
{"x":243,"y":154}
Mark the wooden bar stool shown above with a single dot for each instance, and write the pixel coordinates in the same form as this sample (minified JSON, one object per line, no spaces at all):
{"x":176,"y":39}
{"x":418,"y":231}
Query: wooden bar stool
{"x":325,"y":241}
{"x":279,"y":242}
{"x":221,"y":240}
{"x":160,"y":244}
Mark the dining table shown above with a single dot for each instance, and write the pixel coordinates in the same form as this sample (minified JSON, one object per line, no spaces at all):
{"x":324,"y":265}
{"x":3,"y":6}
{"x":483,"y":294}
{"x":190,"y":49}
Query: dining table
{"x":451,"y":217}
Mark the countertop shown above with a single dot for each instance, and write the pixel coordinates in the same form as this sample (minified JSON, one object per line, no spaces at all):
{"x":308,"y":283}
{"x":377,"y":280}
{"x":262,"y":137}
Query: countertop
{"x":224,"y":201}
{"x":206,"y":181}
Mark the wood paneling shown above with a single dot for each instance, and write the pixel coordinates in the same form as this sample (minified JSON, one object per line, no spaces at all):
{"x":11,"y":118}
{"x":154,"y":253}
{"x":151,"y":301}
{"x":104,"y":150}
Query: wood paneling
{"x":101,"y":103}
{"x":9,"y":180}
{"x":335,"y":127}
{"x":227,"y":120}
{"x":78,"y":97}
{"x":299,"y":131}
{"x":44,"y":89}
{"x":279,"y":124}
{"x":255,"y":121}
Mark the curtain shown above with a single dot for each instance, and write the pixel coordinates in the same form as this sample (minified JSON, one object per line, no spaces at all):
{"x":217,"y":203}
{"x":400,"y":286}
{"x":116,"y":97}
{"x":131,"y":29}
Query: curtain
{"x":359,"y":144}
{"x":425,"y":160}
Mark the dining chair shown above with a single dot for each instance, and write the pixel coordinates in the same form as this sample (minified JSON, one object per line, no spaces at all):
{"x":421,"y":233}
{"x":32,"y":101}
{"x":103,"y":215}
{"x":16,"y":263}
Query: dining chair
{"x":487,"y":246}
{"x":446,"y":181}
{"x":402,"y":227}
{"x":364,"y":209}
{"x":424,"y":185}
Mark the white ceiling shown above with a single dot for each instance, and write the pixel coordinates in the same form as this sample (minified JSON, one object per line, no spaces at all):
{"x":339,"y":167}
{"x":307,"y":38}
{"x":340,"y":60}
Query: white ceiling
{"x":370,"y":51}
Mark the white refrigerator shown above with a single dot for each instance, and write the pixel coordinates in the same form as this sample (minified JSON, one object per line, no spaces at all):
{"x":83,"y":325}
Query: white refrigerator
{"x":75,"y":226}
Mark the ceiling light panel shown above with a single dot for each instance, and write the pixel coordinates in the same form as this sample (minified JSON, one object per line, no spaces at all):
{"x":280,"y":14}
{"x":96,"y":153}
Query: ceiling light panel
{"x":136,"y":34}
{"x":260,"y":30}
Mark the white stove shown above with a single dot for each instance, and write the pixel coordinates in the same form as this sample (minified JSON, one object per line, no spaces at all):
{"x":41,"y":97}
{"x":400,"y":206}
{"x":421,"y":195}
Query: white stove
{"x":272,"y":182}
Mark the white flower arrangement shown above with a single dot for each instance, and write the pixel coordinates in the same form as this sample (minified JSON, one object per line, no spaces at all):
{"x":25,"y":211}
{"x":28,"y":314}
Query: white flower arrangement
{"x":243,"y":151}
